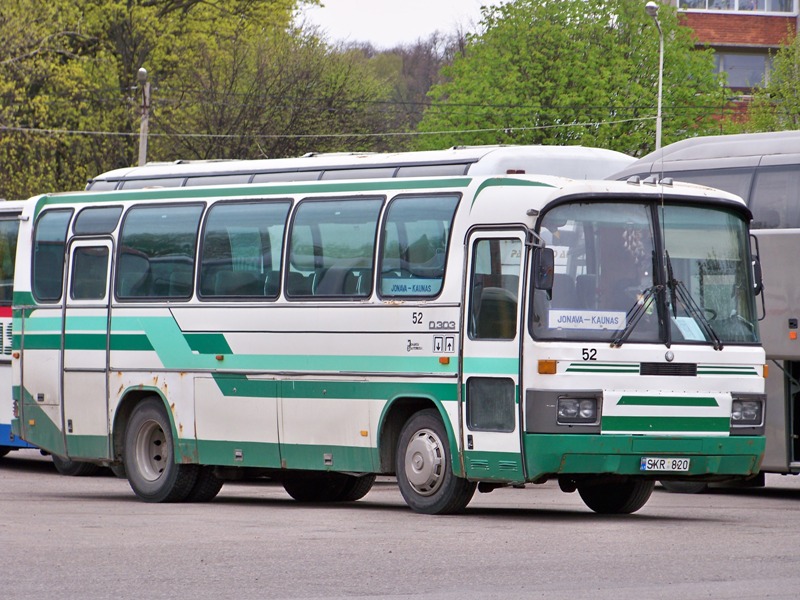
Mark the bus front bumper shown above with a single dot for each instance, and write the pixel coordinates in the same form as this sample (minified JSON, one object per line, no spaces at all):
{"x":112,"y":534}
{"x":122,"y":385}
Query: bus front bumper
{"x":708,"y":457}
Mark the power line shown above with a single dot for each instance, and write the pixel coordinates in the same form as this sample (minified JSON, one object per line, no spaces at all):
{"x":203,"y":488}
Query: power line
{"x":507,"y":130}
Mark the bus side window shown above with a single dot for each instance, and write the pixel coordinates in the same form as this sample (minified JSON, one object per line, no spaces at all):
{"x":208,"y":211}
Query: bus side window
{"x":48,"y":255}
{"x":165,"y":236}
{"x":89,"y":272}
{"x":493,"y":307}
{"x":241,"y":250}
{"x":416,"y":237}
{"x":133,"y":275}
{"x":332,"y":248}
{"x":775,"y":201}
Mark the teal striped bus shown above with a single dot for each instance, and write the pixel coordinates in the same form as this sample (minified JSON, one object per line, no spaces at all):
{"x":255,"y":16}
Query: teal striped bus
{"x":456,"y":332}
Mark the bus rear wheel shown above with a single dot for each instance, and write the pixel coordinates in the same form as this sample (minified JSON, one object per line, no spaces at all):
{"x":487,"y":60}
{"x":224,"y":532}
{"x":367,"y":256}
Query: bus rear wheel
{"x":424,"y":469}
{"x":617,"y":498}
{"x":149,"y":456}
{"x":206,"y":486}
{"x":74,"y":468}
{"x":685,"y":487}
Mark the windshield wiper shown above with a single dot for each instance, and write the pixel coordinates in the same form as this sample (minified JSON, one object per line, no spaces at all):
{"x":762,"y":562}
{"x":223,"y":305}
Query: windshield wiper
{"x":678,"y":292}
{"x":635,"y":314}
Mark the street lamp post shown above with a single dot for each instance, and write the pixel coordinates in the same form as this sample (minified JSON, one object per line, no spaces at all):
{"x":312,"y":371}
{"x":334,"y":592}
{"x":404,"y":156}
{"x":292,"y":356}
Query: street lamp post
{"x":652,"y":10}
{"x":141,"y":77}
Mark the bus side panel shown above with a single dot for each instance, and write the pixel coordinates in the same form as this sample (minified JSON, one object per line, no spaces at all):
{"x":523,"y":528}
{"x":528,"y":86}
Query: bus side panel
{"x":41,"y":379}
{"x":778,"y":419}
{"x":781,"y":292}
{"x":236,"y":421}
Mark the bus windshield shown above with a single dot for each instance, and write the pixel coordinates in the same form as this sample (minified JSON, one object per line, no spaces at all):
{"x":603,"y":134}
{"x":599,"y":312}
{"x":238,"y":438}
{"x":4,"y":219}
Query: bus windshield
{"x":625,"y":270}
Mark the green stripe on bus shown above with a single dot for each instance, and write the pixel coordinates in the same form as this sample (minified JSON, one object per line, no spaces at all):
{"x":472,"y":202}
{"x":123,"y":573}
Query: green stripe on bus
{"x":208,"y":343}
{"x":668,"y":401}
{"x":240,"y":386}
{"x":85,"y":341}
{"x":491,"y":366}
{"x":726,"y":371}
{"x":39,"y":341}
{"x":662,"y":424}
{"x":602,"y":369}
{"x":341,"y":458}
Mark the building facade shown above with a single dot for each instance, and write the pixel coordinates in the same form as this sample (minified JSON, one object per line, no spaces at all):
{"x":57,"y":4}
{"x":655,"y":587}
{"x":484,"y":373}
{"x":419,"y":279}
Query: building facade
{"x":743,"y":34}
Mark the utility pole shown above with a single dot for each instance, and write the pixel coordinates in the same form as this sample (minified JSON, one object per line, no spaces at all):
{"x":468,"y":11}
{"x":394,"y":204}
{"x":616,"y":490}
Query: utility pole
{"x":652,"y":10}
{"x":141,"y":77}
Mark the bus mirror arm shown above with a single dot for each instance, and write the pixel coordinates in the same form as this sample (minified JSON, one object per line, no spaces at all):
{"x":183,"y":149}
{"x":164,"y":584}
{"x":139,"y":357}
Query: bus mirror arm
{"x":543,"y":268}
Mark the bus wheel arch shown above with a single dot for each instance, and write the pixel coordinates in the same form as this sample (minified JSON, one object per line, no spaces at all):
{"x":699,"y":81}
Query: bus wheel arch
{"x":396,"y":414}
{"x":424,"y":467}
{"x":122,"y":415}
{"x":148,"y":451}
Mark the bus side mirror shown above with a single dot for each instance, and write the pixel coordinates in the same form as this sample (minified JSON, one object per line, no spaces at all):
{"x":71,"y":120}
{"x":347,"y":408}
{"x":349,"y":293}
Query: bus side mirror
{"x":758,"y":282}
{"x":544,"y":262}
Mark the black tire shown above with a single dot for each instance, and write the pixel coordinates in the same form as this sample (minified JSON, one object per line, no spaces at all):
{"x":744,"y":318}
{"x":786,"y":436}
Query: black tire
{"x":74,"y":468}
{"x":149,"y":456}
{"x":620,"y":498}
{"x":356,"y":487}
{"x":119,"y":471}
{"x":206,"y":486}
{"x":424,"y":469}
{"x":315,"y":486}
{"x":685,"y":487}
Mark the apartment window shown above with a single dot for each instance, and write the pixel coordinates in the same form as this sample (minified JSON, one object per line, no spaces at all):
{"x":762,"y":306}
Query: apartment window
{"x":743,"y":70}
{"x":758,"y":6}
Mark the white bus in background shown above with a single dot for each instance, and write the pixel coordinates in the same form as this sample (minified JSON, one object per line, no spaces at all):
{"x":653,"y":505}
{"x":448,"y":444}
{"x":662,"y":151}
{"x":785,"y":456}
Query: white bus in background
{"x":764,"y":169}
{"x":575,"y":162}
{"x":10,"y":212}
{"x":323,"y":332}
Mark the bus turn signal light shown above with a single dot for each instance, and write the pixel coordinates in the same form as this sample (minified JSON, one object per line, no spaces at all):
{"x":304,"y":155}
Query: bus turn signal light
{"x":547,"y":367}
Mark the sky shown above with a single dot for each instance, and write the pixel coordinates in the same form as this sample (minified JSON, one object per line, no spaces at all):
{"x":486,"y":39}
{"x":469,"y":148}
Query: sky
{"x":388,"y":23}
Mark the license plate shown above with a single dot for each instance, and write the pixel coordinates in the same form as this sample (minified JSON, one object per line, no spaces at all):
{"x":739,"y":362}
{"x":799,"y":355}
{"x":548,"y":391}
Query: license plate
{"x":664,"y":464}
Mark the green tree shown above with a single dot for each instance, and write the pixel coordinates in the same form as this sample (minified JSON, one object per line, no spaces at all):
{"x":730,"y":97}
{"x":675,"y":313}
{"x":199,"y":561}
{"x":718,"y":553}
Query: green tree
{"x":776,"y":105}
{"x":233,"y":71}
{"x":281,"y":92}
{"x":573,"y":71}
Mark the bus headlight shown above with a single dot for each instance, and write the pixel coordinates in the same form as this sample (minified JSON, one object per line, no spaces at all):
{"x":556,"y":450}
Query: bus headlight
{"x":577,"y":410}
{"x":747,"y":414}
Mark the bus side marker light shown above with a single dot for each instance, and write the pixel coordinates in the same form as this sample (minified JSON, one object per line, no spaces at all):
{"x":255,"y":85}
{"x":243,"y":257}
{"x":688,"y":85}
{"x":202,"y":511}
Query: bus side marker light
{"x":444,"y":360}
{"x":220,"y":357}
{"x":32,"y":422}
{"x":766,"y":371}
{"x":364,"y":433}
{"x":547,"y":367}
{"x":15,"y":354}
{"x":792,"y":335}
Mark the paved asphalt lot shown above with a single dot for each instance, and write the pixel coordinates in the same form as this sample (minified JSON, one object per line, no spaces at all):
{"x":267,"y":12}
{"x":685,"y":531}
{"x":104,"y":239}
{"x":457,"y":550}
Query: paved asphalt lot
{"x":63,"y":537}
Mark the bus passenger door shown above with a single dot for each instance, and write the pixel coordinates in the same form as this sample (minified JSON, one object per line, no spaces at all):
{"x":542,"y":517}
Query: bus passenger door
{"x":490,"y":410}
{"x":85,"y":348}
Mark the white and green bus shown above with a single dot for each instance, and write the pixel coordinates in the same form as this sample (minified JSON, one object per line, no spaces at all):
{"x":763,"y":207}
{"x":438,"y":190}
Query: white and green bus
{"x":10,"y":212}
{"x":456,"y":332}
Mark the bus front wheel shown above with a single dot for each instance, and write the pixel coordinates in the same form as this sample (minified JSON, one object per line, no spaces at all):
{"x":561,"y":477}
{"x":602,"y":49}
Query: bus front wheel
{"x":617,"y":498}
{"x":424,"y":469}
{"x":149,"y":456}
